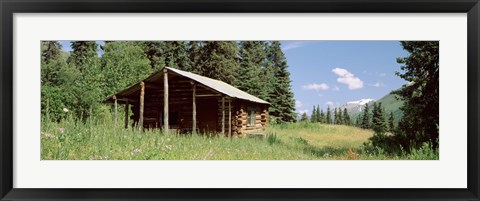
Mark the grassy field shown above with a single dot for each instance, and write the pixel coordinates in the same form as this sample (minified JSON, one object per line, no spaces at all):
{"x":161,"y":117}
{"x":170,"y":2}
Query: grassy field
{"x":70,"y":140}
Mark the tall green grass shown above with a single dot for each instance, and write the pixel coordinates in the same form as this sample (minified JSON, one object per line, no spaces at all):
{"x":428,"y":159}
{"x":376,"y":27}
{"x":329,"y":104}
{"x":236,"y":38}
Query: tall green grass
{"x":99,"y":140}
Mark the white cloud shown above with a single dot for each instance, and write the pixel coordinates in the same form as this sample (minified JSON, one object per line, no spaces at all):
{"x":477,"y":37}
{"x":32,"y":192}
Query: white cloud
{"x":336,"y":88}
{"x":348,"y":78}
{"x":302,"y":111}
{"x":377,"y":84}
{"x":316,"y":87}
{"x":329,"y":103}
{"x":298,"y":104}
{"x":293,"y":45}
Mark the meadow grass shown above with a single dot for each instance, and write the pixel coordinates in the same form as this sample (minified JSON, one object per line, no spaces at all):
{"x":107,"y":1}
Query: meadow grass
{"x":95,"y":140}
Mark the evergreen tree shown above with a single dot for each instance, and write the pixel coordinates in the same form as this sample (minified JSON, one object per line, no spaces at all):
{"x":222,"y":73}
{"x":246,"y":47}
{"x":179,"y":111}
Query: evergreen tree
{"x":176,"y":55}
{"x":358,"y":121}
{"x":322,"y":117}
{"x":194,"y":55}
{"x":421,"y":107}
{"x":152,"y":50}
{"x":83,"y":52}
{"x":51,"y":51}
{"x":313,"y":117}
{"x":336,"y":117}
{"x":317,"y":114}
{"x":219,"y":61}
{"x":346,"y":117}
{"x":365,"y":118}
{"x":391,"y":123}
{"x":304,"y":117}
{"x":329,"y":116}
{"x":340,"y":117}
{"x":281,"y":95}
{"x":250,"y":73}
{"x":378,"y":119}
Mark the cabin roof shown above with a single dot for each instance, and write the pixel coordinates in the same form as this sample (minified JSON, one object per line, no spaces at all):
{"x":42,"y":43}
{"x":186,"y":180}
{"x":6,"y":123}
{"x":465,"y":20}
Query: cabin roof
{"x":216,"y":85}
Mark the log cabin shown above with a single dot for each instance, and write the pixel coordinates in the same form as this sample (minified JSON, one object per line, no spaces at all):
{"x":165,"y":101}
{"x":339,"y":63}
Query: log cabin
{"x":178,"y":101}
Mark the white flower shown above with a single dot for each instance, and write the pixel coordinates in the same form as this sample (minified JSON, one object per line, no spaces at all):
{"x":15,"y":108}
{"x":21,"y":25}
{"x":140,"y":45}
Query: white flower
{"x":65,"y":109}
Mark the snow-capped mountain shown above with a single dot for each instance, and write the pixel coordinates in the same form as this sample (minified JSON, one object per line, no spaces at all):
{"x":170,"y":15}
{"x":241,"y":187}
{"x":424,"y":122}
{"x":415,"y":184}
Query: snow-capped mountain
{"x":357,"y":106}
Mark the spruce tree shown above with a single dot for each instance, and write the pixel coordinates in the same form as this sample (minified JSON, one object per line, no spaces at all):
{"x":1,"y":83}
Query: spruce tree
{"x":329,"y":116}
{"x":219,"y":61}
{"x":313,"y":117}
{"x":391,"y":123}
{"x":378,"y":119}
{"x":51,"y":51}
{"x":194,"y":55}
{"x":335,"y":113}
{"x":346,"y":117}
{"x":83,"y":52}
{"x":281,"y":95}
{"x":250,"y":71}
{"x":421,"y":95}
{"x":322,"y":117}
{"x":175,"y":55}
{"x":340,"y":116}
{"x":304,"y":117}
{"x":317,"y":114}
{"x":365,"y":117}
{"x":152,"y":50}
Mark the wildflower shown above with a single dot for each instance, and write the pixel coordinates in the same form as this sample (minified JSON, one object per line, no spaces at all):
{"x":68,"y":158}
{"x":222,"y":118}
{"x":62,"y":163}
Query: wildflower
{"x":103,"y":157}
{"x":326,"y":155}
{"x":65,"y":109}
{"x":135,"y":151}
{"x":62,"y":130}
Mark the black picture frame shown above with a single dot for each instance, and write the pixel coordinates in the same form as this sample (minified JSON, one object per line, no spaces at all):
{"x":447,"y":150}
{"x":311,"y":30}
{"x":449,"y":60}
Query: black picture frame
{"x":10,"y":7}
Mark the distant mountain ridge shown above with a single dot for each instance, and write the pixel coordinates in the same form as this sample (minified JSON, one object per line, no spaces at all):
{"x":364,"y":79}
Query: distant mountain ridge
{"x":389,"y":102}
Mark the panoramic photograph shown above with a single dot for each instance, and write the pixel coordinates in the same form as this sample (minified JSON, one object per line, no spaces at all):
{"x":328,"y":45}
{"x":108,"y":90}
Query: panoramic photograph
{"x":239,"y":100}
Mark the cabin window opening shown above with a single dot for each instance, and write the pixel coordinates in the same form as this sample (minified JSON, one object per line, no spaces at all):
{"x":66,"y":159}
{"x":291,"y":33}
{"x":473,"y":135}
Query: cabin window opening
{"x":251,"y":117}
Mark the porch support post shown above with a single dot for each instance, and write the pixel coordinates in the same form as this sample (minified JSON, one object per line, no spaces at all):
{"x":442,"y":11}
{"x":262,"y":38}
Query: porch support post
{"x":229,"y":117}
{"x":142,"y":100}
{"x":126,"y":114}
{"x":223,"y":115}
{"x":194,"y":109}
{"x":165,"y":100}
{"x":115,"y":113}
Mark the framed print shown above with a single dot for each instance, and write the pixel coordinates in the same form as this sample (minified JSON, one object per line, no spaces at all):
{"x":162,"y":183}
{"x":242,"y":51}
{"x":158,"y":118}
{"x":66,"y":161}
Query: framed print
{"x":265,"y":100}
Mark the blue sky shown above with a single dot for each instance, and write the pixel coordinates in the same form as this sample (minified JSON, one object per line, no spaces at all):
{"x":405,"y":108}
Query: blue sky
{"x":335,"y":72}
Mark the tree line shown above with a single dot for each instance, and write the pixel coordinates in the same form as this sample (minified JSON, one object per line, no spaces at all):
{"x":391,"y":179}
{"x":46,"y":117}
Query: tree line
{"x":339,"y":117}
{"x":79,"y":80}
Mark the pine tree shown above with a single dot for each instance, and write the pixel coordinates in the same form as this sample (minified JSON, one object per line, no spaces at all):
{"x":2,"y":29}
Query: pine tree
{"x":152,"y":50}
{"x":313,"y":117}
{"x":421,"y":96}
{"x":335,"y":117}
{"x":250,"y":73}
{"x":322,"y":117}
{"x":304,"y":117}
{"x":365,"y":118}
{"x":219,"y":61}
{"x":346,"y":117}
{"x":378,"y":119}
{"x":391,"y":123}
{"x":51,"y":51}
{"x":175,"y":55}
{"x":83,"y":52}
{"x":281,"y":95}
{"x":340,"y":117}
{"x":317,"y":114}
{"x":194,"y":54}
{"x":329,"y":116}
{"x":358,"y":121}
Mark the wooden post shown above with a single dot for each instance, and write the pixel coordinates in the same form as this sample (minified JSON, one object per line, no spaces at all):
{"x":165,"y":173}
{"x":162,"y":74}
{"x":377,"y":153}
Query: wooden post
{"x":223,"y":115}
{"x":194,"y":109}
{"x":165,"y":100}
{"x":126,"y":114}
{"x":115,"y":113}
{"x":142,"y":99}
{"x":229,"y":117}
